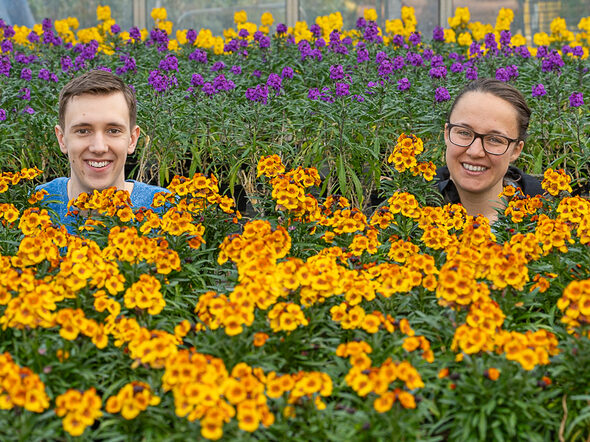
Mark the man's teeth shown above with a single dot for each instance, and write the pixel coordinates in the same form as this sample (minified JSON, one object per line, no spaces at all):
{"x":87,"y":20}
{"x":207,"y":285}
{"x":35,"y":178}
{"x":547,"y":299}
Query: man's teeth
{"x":98,"y":163}
{"x":473,"y":168}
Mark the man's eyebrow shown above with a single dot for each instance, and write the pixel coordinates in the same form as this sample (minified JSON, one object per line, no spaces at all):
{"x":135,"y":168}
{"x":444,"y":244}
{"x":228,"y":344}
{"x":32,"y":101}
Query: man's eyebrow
{"x":110,"y":124}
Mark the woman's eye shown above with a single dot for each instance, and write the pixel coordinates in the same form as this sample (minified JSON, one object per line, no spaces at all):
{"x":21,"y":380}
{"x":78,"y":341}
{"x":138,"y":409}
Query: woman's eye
{"x":496,"y":140}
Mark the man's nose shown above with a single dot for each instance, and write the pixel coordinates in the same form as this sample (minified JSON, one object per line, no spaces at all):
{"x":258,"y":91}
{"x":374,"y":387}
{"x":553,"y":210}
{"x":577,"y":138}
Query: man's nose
{"x":99,"y":143}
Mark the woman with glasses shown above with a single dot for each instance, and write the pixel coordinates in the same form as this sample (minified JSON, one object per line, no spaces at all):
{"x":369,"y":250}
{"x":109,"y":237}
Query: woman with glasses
{"x":485,"y":132}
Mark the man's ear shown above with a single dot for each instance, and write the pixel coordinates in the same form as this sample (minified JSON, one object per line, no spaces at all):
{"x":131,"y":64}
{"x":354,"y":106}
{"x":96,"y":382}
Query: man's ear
{"x":133,"y":142}
{"x":59,"y":133}
{"x":516,"y":151}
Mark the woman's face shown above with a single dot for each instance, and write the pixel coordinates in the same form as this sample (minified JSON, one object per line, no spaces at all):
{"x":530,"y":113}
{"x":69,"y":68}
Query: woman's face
{"x":476,"y":173}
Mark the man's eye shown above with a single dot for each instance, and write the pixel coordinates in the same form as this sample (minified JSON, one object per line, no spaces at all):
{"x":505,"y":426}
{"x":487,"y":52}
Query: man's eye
{"x":114,"y":131}
{"x":82,"y":131}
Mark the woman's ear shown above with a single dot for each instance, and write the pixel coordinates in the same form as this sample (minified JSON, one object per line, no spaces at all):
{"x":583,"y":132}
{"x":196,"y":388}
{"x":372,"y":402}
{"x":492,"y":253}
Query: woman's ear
{"x":516,"y":151}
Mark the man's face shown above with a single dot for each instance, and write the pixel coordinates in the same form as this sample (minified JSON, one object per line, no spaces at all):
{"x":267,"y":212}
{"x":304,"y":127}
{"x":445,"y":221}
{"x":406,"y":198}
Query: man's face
{"x":97,"y":138}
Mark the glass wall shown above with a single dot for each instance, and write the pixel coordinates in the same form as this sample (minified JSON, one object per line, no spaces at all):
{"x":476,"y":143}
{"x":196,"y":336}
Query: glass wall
{"x":215,"y":15}
{"x":530,"y":16}
{"x":426,"y":11}
{"x":84,"y":11}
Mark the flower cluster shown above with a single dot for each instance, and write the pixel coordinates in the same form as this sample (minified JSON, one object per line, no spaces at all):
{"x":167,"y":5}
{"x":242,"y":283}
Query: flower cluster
{"x":132,"y":399}
{"x":20,"y":387}
{"x":555,"y":181}
{"x":575,"y":303}
{"x":365,"y":378}
{"x":79,"y":409}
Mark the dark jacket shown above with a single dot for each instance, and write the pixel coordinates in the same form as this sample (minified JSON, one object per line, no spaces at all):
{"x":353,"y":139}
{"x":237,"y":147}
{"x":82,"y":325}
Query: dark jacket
{"x":529,"y":185}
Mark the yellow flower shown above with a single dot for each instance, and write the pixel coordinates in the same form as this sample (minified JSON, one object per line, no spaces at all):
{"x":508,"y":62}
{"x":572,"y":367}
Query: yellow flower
{"x":240,"y":17}
{"x":370,"y":14}
{"x":159,"y":14}
{"x":267,"y":19}
{"x":103,"y":13}
{"x":450,"y":36}
{"x":464,"y":39}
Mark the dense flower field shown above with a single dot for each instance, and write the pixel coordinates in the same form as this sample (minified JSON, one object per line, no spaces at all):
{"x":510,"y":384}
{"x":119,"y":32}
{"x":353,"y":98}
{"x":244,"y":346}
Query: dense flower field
{"x":306,"y":318}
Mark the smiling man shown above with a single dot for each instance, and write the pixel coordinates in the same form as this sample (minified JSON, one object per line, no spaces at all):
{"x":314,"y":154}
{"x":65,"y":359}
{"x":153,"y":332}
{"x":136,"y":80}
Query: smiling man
{"x":97,"y":130}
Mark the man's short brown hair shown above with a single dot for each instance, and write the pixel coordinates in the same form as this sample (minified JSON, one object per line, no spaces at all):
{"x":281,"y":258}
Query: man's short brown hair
{"x":97,"y":82}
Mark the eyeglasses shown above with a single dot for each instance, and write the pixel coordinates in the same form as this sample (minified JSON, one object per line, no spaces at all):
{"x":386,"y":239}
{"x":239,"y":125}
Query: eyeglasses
{"x":492,"y":143}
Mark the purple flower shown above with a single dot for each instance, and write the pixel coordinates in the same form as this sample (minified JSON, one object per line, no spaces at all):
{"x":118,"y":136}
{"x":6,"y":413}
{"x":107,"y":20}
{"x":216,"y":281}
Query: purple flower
{"x":415,"y":38}
{"x":471,"y":73}
{"x":523,"y":51}
{"x":512,"y":71}
{"x":361,"y":23}
{"x":336,"y":72}
{"x":398,"y":63}
{"x":403,"y":84}
{"x":475,"y":49}
{"x":220,"y":83}
{"x":281,"y":28}
{"x":314,"y":93}
{"x":26,"y":74}
{"x":5,"y":66}
{"x":414,"y":59}
{"x":371,"y":33}
{"x":191,"y":36}
{"x":342,"y":89}
{"x":362,"y":55}
{"x":502,"y":74}
{"x":456,"y":67}
{"x":436,"y":61}
{"x":438,"y":34}
{"x":235,"y":69}
{"x":135,"y":33}
{"x":258,"y":94}
{"x":243,"y":33}
{"x":170,"y":63}
{"x":24,"y":59}
{"x":398,"y":40}
{"x":287,"y":72}
{"x":217,"y":66}
{"x":258,"y":35}
{"x":6,"y":46}
{"x":2,"y":114}
{"x":320,"y":43}
{"x":44,"y":74}
{"x":208,"y":89}
{"x":197,"y":80}
{"x":26,"y":94}
{"x":427,"y":54}
{"x":347,"y":41}
{"x":539,"y":90}
{"x":256,"y":73}
{"x":438,"y":72}
{"x":505,"y":37}
{"x":274,"y":81}
{"x":553,"y":62}
{"x":576,"y":99}
{"x":115,"y":29}
{"x":542,"y":52}
{"x":316,"y":30}
{"x":232,"y":46}
{"x":66,"y":63}
{"x":490,"y":42}
{"x":29,"y":110}
{"x":33,"y":37}
{"x":578,"y":51}
{"x":358,"y":98}
{"x":198,"y":55}
{"x":385,"y":68}
{"x":129,"y":64}
{"x":380,"y":57}
{"x":264,"y":42}
{"x":158,"y":80}
{"x":441,"y":94}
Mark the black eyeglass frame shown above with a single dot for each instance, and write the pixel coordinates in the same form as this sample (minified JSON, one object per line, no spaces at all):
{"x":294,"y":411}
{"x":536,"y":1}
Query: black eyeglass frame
{"x":477,"y":135}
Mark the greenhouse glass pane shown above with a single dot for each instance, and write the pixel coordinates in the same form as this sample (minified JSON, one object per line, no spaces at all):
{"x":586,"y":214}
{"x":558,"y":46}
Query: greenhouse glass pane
{"x":426,"y":12}
{"x":84,"y":11}
{"x":215,"y":15}
{"x":530,"y":16}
